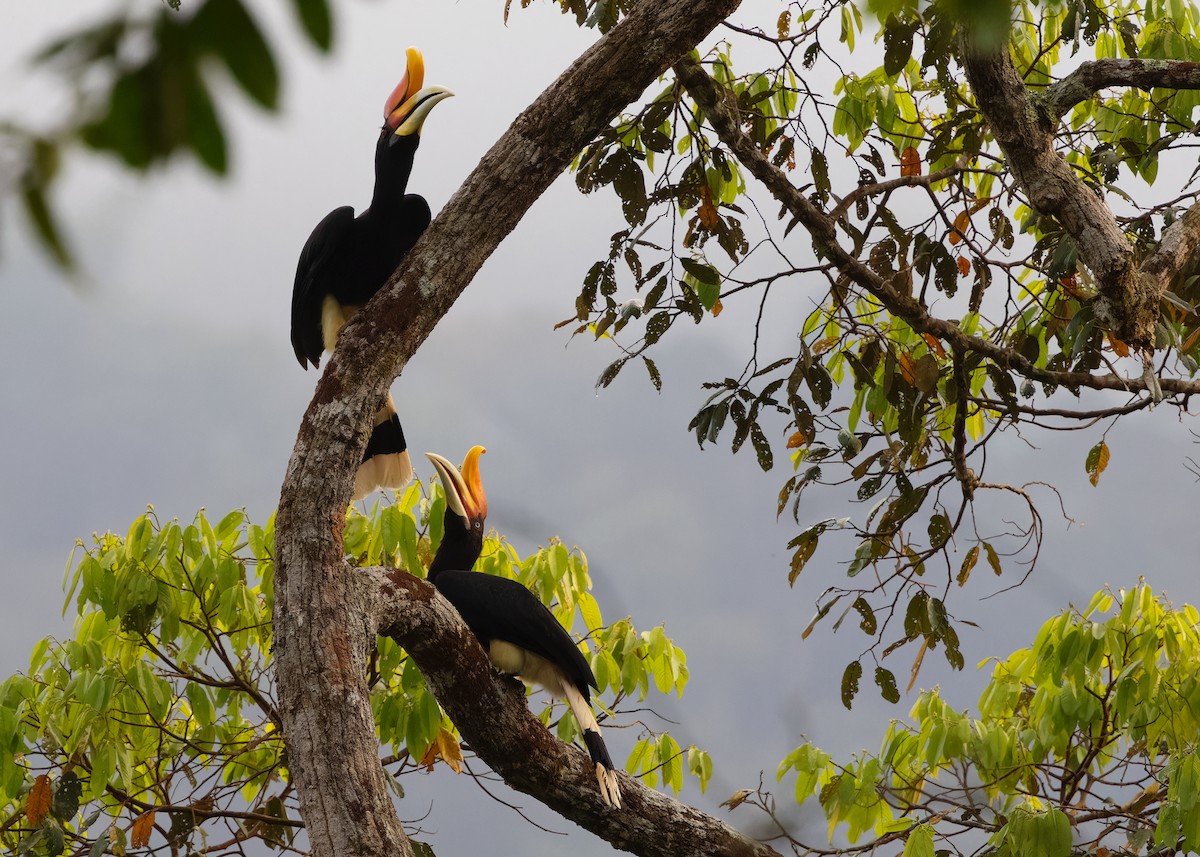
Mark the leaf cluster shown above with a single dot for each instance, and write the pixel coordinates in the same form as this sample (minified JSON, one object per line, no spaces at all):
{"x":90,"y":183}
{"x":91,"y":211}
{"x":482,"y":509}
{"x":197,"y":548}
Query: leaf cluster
{"x":156,"y":723}
{"x":921,"y":197}
{"x":1084,"y":742}
{"x":143,"y":89}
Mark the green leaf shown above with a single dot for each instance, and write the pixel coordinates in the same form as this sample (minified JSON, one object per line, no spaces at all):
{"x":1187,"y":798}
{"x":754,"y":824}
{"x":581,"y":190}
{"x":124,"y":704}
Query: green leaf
{"x":897,"y":44}
{"x":992,"y":558}
{"x":762,"y":448}
{"x":655,"y":376}
{"x":227,"y":29}
{"x":887,"y":685}
{"x":868,"y":623}
{"x":610,"y":372}
{"x":850,"y":682}
{"x":968,"y":563}
{"x":805,"y":546}
{"x":317,"y":22}
{"x":919,"y":842}
{"x":939,"y":530}
{"x":45,"y":226}
{"x":702,"y":271}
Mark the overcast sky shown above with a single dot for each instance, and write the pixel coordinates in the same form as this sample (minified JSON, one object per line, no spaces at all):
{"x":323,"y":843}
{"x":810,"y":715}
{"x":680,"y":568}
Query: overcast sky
{"x":164,"y":375}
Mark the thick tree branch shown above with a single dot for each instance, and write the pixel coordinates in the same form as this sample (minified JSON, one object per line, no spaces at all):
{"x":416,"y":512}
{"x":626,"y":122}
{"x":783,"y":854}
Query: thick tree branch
{"x":495,"y":721}
{"x":323,"y":625}
{"x":721,"y":112}
{"x":1024,"y":131}
{"x":1178,"y":244}
{"x":1092,"y":76}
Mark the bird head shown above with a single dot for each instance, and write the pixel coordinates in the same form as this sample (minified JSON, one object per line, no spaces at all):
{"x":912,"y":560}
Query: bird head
{"x":405,"y":110}
{"x":466,"y":504}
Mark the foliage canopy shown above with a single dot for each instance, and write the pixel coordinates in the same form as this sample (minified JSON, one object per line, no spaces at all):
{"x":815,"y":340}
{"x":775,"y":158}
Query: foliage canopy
{"x":159,"y":715}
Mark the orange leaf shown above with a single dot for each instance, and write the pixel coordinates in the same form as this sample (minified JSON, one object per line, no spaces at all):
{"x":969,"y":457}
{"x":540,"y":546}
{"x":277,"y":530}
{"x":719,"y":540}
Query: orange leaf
{"x":38,"y":803}
{"x":707,"y":211}
{"x":935,"y":344}
{"x":444,"y":746}
{"x":907,"y":368}
{"x":717,"y":307}
{"x":961,"y":224}
{"x":910,"y":162}
{"x":1119,"y":348}
{"x":964,"y":266}
{"x":143,"y":825}
{"x":797,"y":440}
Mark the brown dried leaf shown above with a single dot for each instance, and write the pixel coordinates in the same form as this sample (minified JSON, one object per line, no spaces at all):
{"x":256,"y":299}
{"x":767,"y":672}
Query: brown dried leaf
{"x":961,"y":224}
{"x":717,"y":307}
{"x":910,"y":162}
{"x":737,"y":798}
{"x":783,"y":26}
{"x":143,"y":825}
{"x":907,"y":368}
{"x":916,"y":667}
{"x":707,"y":211}
{"x":964,"y":266}
{"x":37,"y":805}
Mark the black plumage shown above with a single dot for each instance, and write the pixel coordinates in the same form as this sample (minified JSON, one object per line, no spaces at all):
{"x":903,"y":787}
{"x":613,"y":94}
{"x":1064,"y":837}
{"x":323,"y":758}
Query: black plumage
{"x":347,"y":259}
{"x":519,"y":633}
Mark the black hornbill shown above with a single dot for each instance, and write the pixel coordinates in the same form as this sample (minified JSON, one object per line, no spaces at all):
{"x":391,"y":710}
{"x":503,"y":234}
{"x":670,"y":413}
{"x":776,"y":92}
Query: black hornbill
{"x":347,"y":259}
{"x":519,"y":633}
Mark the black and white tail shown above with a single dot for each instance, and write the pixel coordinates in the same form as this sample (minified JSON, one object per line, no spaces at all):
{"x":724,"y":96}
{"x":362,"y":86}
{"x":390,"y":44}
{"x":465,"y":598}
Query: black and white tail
{"x":385,"y":461}
{"x":606,"y":772}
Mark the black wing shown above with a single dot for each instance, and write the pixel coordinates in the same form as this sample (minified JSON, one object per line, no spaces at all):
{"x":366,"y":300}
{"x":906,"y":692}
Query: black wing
{"x":496,"y":608}
{"x":312,"y":285}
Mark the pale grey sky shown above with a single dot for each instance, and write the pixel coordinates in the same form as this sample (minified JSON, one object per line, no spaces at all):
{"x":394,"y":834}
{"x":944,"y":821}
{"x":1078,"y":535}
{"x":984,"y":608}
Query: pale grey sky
{"x":166,"y":377}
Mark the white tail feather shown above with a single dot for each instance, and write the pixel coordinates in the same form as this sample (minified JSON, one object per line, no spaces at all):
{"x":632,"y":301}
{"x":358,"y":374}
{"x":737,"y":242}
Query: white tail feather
{"x":382,"y":471}
{"x":610,"y":789}
{"x":393,"y":470}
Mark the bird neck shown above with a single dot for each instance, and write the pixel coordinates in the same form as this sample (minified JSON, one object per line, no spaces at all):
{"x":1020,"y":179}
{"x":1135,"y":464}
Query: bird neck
{"x":458,"y":551}
{"x":393,"y":166}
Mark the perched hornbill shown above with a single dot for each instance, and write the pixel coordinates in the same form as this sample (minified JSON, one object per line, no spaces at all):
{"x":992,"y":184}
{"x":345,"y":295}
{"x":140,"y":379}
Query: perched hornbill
{"x":520,"y":635}
{"x":347,"y":259}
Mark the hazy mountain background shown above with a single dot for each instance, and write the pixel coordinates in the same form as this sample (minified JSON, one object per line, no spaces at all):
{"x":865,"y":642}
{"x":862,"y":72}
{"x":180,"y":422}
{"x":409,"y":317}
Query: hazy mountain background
{"x":163,"y":375}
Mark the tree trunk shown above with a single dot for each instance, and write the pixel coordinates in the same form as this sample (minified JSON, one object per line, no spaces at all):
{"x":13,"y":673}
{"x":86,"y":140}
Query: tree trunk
{"x":325,"y":619}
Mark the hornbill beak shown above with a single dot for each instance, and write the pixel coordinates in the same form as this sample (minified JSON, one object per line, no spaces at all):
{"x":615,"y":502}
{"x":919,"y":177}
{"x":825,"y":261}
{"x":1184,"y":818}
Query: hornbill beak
{"x":405,"y":110}
{"x":464,"y":489}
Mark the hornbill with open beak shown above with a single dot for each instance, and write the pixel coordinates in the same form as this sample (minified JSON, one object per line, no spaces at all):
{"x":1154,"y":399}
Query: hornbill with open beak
{"x":518,"y":632}
{"x":347,"y":259}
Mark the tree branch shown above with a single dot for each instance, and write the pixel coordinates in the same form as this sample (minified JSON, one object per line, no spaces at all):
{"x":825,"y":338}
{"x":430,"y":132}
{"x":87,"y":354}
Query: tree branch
{"x":1092,"y":76}
{"x":493,"y":717}
{"x":723,"y":117}
{"x":1024,"y":130}
{"x":323,"y":623}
